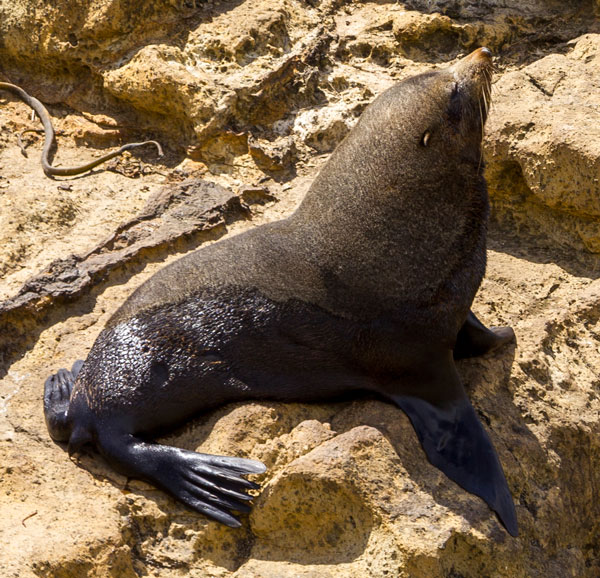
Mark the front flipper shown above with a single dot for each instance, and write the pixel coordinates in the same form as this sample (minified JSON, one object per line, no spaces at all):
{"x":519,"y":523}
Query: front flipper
{"x":474,"y":338}
{"x":454,"y":439}
{"x":209,"y":484}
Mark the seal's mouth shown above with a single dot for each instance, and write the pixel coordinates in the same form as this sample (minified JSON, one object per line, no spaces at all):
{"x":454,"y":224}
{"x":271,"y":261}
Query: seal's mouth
{"x":473,"y":75}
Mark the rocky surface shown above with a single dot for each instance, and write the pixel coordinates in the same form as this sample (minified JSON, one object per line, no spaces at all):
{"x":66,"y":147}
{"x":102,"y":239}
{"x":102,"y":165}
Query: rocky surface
{"x":248,"y":99}
{"x":544,"y":151}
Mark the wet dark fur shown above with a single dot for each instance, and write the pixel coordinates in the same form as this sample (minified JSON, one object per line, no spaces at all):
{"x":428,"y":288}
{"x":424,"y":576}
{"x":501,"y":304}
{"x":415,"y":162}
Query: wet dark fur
{"x":367,"y":286}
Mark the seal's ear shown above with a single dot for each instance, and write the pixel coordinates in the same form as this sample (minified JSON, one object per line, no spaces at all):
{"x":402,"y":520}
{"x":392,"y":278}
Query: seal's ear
{"x":425,"y":138}
{"x":455,"y":106}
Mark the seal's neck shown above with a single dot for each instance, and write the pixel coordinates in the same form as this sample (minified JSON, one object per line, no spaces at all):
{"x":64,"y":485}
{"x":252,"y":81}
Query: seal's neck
{"x":388,"y":229}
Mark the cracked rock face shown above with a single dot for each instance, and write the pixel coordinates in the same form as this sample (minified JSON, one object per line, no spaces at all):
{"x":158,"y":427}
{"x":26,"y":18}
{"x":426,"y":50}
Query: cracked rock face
{"x":544,"y":150}
{"x":248,"y":99}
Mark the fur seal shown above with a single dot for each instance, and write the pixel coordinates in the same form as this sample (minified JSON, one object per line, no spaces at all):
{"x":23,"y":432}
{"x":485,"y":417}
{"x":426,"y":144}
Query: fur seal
{"x":367,"y":286}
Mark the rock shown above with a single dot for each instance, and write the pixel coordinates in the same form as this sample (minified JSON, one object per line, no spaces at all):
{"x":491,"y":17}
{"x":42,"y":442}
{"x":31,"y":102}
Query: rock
{"x":425,"y":36}
{"x":186,"y":70}
{"x":543,"y":146}
{"x":323,"y":129}
{"x":273,"y":156}
{"x":175,"y":213}
{"x":256,"y":194}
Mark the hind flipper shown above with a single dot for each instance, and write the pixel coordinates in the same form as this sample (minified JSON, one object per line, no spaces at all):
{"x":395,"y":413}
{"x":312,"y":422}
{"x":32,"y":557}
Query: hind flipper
{"x":209,"y":484}
{"x":453,"y":437}
{"x":474,"y":338}
{"x":57,"y":393}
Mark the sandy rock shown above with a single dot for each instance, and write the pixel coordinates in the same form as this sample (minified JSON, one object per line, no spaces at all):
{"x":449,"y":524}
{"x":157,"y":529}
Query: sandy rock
{"x":420,"y":36}
{"x":429,"y":31}
{"x":325,"y":128}
{"x":543,"y":9}
{"x":194,"y":208}
{"x":175,"y":66}
{"x":273,"y":156}
{"x":542,"y":142}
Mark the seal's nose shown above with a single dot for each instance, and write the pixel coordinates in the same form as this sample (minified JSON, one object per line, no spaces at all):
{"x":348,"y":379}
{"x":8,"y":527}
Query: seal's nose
{"x":476,"y":68}
{"x":482,"y":53}
{"x":480,"y":56}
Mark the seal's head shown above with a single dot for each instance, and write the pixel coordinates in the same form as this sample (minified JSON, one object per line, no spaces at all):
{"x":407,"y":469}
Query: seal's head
{"x":458,"y":100}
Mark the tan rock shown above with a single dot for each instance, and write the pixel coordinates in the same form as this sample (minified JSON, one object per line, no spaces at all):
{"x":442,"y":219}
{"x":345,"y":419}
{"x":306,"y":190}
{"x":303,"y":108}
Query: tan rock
{"x":542,"y":145}
{"x":419,"y":35}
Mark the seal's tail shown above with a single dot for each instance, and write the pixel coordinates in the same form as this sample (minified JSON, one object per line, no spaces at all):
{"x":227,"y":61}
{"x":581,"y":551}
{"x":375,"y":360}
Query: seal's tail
{"x":209,"y":484}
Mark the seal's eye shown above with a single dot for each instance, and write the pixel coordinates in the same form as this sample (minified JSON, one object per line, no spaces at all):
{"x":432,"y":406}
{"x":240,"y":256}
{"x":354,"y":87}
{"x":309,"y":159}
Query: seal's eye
{"x":425,"y":138}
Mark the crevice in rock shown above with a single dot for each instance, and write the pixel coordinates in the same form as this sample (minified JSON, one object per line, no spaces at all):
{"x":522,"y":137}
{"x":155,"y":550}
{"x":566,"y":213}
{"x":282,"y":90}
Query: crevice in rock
{"x":515,"y":206}
{"x":180,"y":216}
